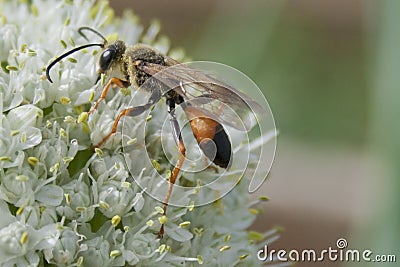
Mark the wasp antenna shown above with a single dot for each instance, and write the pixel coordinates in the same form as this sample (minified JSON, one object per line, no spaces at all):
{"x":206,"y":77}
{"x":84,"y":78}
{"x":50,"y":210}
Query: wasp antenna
{"x":84,"y":28}
{"x":58,"y":59}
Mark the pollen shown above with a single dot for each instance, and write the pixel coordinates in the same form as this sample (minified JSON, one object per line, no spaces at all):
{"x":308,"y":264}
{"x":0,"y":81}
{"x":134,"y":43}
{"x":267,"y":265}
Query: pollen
{"x":115,"y":253}
{"x":116,"y":220}
{"x":99,"y":152}
{"x":184,"y":224}
{"x":159,"y":209}
{"x":163,"y":219}
{"x":224,"y":248}
{"x":22,"y":178}
{"x":20,"y":210}
{"x":24,"y":238}
{"x":33,"y":161}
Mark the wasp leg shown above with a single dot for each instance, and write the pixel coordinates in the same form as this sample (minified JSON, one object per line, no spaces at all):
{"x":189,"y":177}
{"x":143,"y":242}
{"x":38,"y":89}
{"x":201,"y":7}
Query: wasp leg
{"x":181,"y":146}
{"x":132,"y":112}
{"x":118,"y":82}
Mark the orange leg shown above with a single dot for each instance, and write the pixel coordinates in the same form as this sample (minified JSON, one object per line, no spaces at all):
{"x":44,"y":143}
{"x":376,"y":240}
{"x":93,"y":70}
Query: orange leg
{"x":134,"y":111}
{"x":114,"y":128}
{"x":118,"y":82}
{"x":181,"y":146}
{"x":172,"y":180}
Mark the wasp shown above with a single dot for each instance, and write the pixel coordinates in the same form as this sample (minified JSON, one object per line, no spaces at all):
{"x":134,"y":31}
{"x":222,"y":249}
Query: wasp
{"x":194,"y":90}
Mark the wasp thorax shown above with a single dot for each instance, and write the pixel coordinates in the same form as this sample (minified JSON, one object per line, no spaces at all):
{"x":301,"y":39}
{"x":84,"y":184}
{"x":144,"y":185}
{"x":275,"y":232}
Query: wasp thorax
{"x":145,"y":54}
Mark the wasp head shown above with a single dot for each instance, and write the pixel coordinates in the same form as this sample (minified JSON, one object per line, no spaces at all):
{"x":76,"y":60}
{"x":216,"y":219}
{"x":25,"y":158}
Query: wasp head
{"x":112,"y":56}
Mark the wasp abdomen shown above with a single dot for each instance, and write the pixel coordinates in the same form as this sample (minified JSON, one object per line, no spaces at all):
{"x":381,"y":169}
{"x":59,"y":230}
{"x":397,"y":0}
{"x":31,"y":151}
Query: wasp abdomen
{"x":218,"y":149}
{"x":211,"y":137}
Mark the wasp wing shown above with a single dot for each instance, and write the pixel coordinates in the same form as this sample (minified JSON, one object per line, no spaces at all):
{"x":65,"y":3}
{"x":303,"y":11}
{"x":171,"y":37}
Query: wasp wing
{"x":217,"y":100}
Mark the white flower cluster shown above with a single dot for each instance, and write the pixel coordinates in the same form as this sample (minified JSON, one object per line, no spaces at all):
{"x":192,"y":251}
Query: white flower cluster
{"x":62,"y":204}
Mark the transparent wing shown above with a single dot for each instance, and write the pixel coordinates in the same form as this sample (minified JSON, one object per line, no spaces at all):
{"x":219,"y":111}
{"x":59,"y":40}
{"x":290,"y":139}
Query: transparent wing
{"x":216,"y":99}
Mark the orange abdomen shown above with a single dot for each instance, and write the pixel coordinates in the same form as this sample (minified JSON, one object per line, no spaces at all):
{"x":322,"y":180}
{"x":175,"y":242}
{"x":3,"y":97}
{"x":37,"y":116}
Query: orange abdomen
{"x":211,"y":137}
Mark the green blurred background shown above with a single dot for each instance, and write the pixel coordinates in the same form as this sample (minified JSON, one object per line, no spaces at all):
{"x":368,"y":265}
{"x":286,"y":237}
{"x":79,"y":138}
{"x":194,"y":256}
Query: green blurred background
{"x":331,"y":73}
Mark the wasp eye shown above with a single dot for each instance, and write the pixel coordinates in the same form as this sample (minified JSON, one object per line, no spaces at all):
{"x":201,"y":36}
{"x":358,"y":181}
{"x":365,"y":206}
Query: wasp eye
{"x":106,"y":58}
